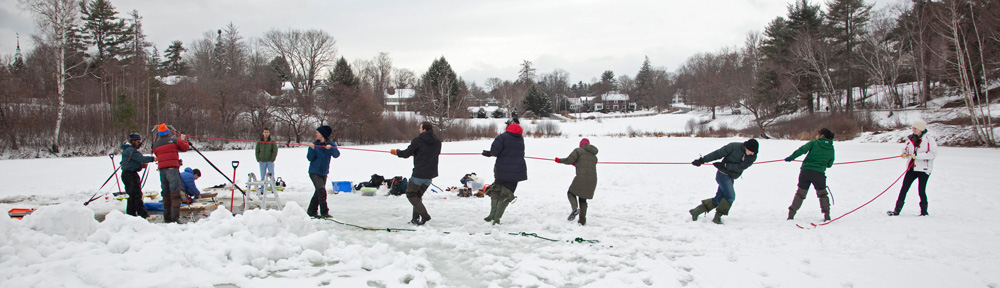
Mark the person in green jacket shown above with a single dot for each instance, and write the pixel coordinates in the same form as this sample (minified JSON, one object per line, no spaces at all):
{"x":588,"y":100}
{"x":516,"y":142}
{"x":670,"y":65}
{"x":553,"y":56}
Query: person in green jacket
{"x":820,"y":156}
{"x":584,"y":158}
{"x":735,"y":157}
{"x":266,"y":151}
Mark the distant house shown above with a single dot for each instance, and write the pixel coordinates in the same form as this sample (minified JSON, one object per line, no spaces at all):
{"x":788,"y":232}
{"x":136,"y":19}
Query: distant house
{"x":576,"y":104}
{"x":615,"y":101}
{"x":396,"y":98}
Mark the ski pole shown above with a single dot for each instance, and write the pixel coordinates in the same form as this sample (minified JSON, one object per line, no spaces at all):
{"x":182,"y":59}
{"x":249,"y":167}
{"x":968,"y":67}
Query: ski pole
{"x":95,"y":196}
{"x":232,"y":195}
{"x":116,"y":172}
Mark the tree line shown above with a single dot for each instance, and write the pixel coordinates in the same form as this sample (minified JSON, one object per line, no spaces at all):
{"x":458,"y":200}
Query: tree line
{"x":92,"y":76}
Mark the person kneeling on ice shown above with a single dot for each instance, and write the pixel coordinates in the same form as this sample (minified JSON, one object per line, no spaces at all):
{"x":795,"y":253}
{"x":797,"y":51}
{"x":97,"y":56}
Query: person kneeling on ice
{"x":585,"y":182}
{"x":319,"y":155}
{"x":509,"y":169}
{"x":188,"y":177}
{"x":736,"y":157}
{"x":425,"y":149}
{"x":920,"y":151}
{"x":132,"y":162}
{"x":820,"y":156}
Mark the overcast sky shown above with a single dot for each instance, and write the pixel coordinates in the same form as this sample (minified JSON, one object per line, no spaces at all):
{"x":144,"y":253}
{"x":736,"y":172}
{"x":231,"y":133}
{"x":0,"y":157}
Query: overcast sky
{"x":480,"y":39}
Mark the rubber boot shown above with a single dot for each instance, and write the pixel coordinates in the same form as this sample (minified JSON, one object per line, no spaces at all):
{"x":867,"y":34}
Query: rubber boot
{"x":800,"y":195}
{"x":824,"y":203}
{"x":494,"y":200}
{"x":421,"y":209}
{"x":583,"y":214}
{"x":724,"y":206}
{"x":705,"y":206}
{"x":572,"y":204}
{"x":923,"y":209}
{"x":504,"y":199}
{"x":175,"y":208}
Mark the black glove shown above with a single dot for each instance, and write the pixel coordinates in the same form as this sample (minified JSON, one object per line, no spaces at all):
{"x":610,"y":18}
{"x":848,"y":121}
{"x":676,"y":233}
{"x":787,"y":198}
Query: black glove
{"x":487,"y":153}
{"x":697,"y":162}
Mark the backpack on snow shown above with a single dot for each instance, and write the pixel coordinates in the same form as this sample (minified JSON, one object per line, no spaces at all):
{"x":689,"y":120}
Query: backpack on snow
{"x":397,"y":186}
{"x":376,"y":182}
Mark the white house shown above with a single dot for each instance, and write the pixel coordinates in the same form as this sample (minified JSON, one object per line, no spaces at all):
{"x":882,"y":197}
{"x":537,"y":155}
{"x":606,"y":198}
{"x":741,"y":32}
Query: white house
{"x":394,"y":98}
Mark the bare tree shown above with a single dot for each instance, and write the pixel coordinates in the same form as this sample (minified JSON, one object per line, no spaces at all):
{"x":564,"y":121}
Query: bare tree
{"x":403,"y":78}
{"x":57,"y":19}
{"x":881,"y":54}
{"x":953,"y":29}
{"x":307,"y":52}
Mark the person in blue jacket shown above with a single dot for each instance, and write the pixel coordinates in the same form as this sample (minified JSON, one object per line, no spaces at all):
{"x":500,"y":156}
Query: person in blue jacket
{"x":187,"y":178}
{"x":132,"y":162}
{"x":319,"y":155}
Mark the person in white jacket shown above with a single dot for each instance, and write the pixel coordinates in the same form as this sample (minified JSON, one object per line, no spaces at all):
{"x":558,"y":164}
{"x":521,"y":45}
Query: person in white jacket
{"x":920,"y":152}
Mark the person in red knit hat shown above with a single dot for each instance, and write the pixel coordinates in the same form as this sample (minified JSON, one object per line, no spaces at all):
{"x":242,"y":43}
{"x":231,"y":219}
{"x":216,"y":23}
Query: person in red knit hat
{"x":584,"y":158}
{"x":509,"y":169}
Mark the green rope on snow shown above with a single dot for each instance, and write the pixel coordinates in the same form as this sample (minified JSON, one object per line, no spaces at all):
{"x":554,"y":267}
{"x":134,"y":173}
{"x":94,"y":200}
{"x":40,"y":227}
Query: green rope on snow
{"x":525,"y":234}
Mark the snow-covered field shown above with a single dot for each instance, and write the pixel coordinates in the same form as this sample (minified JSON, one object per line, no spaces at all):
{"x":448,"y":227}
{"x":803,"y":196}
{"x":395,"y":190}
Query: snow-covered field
{"x":639,"y":216}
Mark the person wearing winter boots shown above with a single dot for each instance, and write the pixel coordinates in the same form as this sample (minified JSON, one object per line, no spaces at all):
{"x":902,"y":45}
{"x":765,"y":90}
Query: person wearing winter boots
{"x":190,"y":189}
{"x":920,"y":151}
{"x":425,"y":149}
{"x":132,"y":162}
{"x":167,"y":150}
{"x":319,"y":155}
{"x":266,"y":151}
{"x":820,"y":156}
{"x":585,"y":182}
{"x":508,"y":170}
{"x":736,"y":157}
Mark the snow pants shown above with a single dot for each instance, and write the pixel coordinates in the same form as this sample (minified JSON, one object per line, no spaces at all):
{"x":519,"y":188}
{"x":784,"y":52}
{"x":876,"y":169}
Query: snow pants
{"x":134,"y":205}
{"x":319,"y":196}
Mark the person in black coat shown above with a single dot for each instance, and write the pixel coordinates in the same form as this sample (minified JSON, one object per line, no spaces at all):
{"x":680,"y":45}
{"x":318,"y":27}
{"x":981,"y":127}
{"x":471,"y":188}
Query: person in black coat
{"x":509,"y":169}
{"x":425,"y":149}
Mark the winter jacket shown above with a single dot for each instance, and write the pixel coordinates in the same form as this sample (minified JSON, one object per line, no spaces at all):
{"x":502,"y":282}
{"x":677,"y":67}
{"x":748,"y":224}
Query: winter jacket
{"x":187,"y":177}
{"x":319,"y":157}
{"x":166,"y":150}
{"x":925,"y":152}
{"x":266,"y":152}
{"x":132,"y":159}
{"x":820,"y":156}
{"x":425,"y":149}
{"x":734,"y":158}
{"x":585,"y":160}
{"x":508,"y":147}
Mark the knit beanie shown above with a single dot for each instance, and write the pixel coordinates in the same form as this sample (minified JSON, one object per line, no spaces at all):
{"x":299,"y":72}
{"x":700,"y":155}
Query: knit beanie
{"x":325,"y":131}
{"x":585,"y":141}
{"x":751,"y":145}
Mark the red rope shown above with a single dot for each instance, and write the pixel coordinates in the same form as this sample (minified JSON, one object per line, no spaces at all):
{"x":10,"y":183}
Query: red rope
{"x":525,"y":157}
{"x":869,"y":201}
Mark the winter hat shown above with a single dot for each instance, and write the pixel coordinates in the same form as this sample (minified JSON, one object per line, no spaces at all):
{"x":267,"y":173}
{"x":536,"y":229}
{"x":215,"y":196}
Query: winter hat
{"x":920,"y":125}
{"x":585,"y":141}
{"x":162,"y":130}
{"x":134,"y":136}
{"x":325,"y":131}
{"x":751,"y":145}
{"x":514,"y":128}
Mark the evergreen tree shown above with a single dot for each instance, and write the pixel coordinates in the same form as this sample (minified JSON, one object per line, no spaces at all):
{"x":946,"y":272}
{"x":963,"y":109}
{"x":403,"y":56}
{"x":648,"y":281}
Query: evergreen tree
{"x":846,"y":20}
{"x":439,"y":94}
{"x":105,"y":29}
{"x":154,"y":63}
{"x":644,"y":84}
{"x":174,"y":65}
{"x":124,"y":113}
{"x":280,"y":67}
{"x":220,"y":56}
{"x":527,"y":73}
{"x":537,"y":102}
{"x":342,"y":74}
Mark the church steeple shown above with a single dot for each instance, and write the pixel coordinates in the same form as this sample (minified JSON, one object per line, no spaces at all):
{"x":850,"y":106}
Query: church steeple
{"x":17,"y":53}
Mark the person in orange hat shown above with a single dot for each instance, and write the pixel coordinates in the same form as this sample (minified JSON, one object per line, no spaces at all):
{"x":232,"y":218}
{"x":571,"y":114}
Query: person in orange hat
{"x":509,"y":169}
{"x":167,"y":150}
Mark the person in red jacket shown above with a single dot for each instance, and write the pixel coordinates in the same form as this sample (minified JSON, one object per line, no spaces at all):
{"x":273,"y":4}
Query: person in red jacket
{"x":167,"y":150}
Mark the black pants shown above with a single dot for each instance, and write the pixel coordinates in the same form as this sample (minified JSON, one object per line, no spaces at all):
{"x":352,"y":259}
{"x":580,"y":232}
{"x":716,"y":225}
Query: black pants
{"x":319,"y":196}
{"x":921,"y":190}
{"x":134,"y":205}
{"x":816,"y":178}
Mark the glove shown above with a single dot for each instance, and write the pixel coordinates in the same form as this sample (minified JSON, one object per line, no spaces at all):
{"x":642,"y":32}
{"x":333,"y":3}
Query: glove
{"x":393,"y":151}
{"x":557,"y":159}
{"x":788,"y":159}
{"x":697,"y":162}
{"x":487,"y":153}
